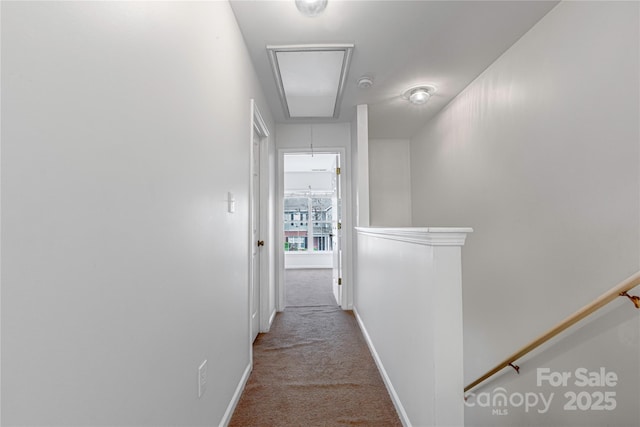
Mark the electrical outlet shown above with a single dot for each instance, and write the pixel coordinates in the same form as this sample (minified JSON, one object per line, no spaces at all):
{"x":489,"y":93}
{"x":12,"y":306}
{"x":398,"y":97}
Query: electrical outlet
{"x":202,"y":378}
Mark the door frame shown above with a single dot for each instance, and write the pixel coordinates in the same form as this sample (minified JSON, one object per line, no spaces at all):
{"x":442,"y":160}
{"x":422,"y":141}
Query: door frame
{"x":346,"y":303}
{"x":259,"y":127}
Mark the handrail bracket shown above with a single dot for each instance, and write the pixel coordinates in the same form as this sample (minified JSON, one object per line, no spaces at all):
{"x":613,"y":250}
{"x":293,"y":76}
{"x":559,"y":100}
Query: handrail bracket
{"x":516,"y":367}
{"x":634,"y":299}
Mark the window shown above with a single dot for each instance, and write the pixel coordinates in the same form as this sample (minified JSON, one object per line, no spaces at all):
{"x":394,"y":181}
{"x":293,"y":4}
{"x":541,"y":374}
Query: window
{"x":307,"y":223}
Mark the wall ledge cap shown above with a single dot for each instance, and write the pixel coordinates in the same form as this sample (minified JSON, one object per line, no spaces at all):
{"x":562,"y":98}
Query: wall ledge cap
{"x":430,"y":236}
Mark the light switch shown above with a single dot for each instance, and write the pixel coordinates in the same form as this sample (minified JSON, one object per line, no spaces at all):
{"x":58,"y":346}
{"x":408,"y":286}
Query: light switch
{"x":231,"y":202}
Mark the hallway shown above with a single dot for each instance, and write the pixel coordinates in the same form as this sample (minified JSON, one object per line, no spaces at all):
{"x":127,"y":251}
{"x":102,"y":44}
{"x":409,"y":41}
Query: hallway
{"x":142,"y":211}
{"x":313,"y":368}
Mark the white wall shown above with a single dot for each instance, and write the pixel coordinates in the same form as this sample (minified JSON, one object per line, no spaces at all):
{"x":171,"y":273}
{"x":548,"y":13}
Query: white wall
{"x":361,"y":168}
{"x":301,"y":136}
{"x":540,"y":156}
{"x":302,"y":181}
{"x":308,"y":260}
{"x":389,"y":182}
{"x":124,"y":126}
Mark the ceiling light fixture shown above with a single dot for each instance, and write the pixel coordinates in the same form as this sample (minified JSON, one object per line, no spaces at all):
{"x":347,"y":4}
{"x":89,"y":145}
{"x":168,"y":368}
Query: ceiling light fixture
{"x":419,"y":95}
{"x":311,"y":7}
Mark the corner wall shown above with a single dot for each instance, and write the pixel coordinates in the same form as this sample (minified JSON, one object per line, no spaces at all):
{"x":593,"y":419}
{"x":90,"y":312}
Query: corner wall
{"x":540,"y":156}
{"x":125,"y":124}
{"x":390,"y":182}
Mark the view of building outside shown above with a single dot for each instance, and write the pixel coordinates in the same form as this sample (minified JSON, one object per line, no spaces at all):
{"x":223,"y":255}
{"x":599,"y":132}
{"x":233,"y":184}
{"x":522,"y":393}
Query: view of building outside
{"x":307,"y":219}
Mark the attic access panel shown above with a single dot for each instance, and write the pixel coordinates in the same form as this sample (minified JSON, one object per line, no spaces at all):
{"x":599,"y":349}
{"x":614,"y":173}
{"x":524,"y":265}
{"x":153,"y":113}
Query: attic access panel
{"x":310,"y":78}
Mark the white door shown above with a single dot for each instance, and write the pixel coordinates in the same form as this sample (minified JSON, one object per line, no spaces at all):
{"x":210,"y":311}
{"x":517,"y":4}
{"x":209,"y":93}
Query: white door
{"x":336,"y":232}
{"x":257,"y":244}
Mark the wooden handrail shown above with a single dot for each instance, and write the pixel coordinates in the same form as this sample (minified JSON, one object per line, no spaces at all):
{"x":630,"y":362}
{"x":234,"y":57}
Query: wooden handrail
{"x":615,"y":292}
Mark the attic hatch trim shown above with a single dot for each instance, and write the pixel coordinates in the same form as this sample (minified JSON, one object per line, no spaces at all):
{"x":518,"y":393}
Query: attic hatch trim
{"x":347,"y":51}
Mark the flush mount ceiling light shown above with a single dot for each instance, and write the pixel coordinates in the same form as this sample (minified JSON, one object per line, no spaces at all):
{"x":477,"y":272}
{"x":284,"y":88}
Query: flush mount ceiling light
{"x":310,"y":78}
{"x":419,"y":95}
{"x":311,"y":7}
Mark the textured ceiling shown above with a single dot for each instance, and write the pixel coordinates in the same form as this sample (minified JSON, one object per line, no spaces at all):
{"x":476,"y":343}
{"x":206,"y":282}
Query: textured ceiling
{"x":398,"y":43}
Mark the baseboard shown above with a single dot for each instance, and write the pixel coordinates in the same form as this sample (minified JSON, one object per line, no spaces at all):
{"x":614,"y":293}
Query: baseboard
{"x":226,"y":419}
{"x":272,"y":317}
{"x":267,"y":328}
{"x":385,"y":377}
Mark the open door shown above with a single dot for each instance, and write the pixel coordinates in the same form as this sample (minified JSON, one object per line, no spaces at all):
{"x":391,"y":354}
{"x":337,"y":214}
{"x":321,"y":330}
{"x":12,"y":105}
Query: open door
{"x":336,"y":232}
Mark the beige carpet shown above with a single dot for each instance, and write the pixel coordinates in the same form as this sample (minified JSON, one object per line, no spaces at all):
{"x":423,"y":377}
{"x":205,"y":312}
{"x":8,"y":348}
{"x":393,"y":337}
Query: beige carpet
{"x":314,"y":369}
{"x":307,"y":287}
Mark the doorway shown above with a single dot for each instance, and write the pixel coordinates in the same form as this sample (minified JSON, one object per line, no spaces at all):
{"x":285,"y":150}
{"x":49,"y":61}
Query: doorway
{"x":259,"y":289}
{"x":312,"y":227}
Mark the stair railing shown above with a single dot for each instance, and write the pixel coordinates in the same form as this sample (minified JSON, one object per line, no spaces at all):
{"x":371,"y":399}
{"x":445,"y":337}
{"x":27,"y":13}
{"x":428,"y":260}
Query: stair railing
{"x":617,"y":291}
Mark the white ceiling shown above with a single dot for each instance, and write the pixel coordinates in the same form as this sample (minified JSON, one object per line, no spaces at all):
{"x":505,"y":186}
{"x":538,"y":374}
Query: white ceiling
{"x":398,"y":43}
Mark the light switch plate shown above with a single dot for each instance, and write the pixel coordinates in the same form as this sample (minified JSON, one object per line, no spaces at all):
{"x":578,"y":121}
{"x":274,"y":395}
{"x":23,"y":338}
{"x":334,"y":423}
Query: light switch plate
{"x":231,"y":201}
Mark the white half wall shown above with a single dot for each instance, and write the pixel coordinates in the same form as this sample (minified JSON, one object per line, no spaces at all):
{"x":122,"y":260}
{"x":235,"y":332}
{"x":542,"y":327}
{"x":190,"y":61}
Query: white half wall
{"x":122,"y":270}
{"x":408,"y":301}
{"x":540,"y":155}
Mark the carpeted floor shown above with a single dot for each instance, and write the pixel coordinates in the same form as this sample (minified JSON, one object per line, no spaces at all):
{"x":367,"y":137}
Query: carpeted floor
{"x":307,"y":287}
{"x":313,"y":368}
